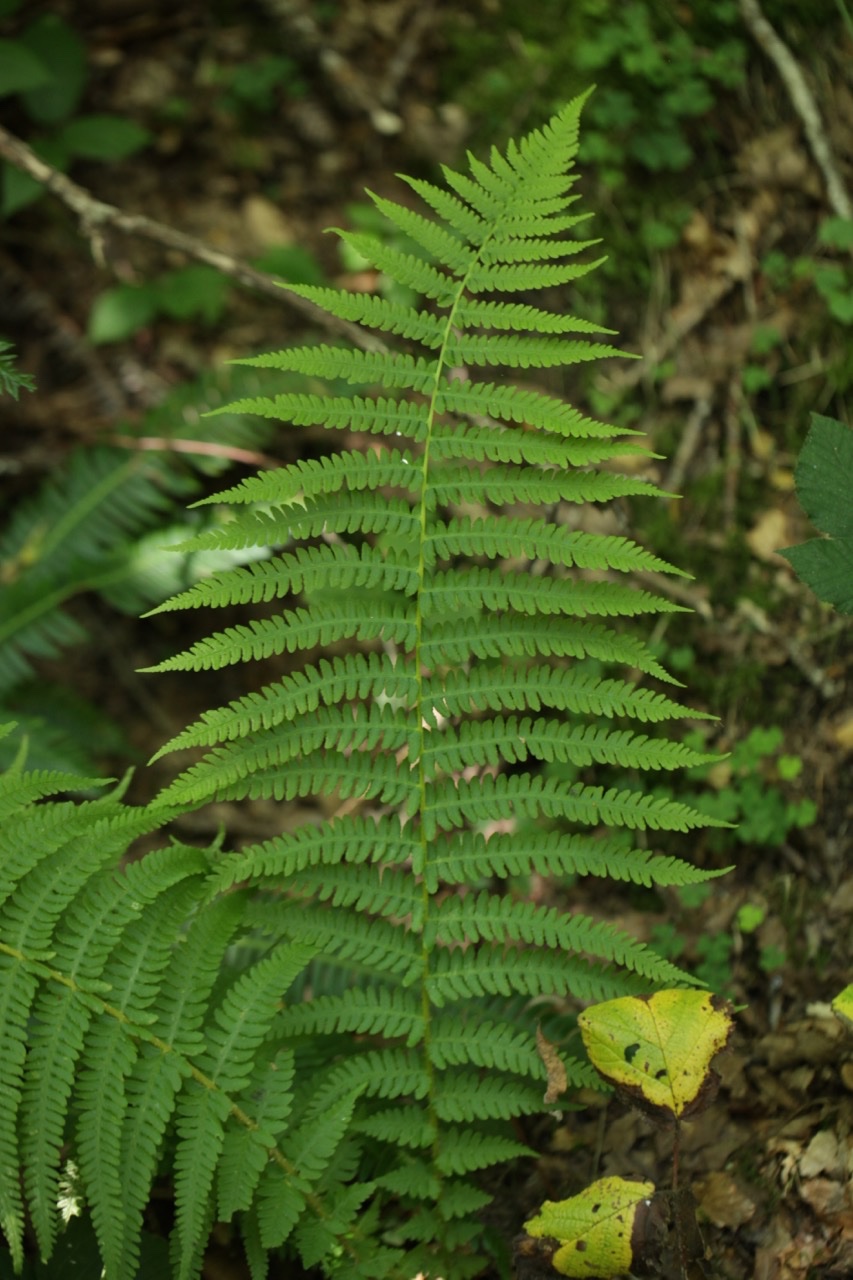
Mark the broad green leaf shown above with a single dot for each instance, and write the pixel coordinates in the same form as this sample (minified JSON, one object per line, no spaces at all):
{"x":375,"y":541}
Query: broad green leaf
{"x":599,"y":1232}
{"x":842,"y":1006}
{"x":104,"y":137}
{"x":826,"y":565}
{"x":824,"y":478}
{"x":836,"y":232}
{"x":193,"y":291}
{"x":63,"y":53}
{"x":20,"y":69}
{"x":120,"y":312}
{"x":657,"y":1050}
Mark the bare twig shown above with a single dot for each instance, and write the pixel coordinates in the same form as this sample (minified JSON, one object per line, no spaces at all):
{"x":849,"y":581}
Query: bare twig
{"x":803,"y":102}
{"x":689,"y":443}
{"x":816,"y":676}
{"x":348,"y":87}
{"x":95,"y":215}
{"x":204,"y":448}
{"x":405,"y":52}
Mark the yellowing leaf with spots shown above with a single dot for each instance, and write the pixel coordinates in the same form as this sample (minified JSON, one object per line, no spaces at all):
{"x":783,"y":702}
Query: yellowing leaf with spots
{"x":599,"y":1232}
{"x":657,"y":1050}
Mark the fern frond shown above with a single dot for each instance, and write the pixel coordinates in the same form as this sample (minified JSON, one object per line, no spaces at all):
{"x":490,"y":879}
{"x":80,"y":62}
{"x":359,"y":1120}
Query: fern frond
{"x":515,"y":352}
{"x":491,"y":590}
{"x":362,"y":676}
{"x":245,"y":1151}
{"x":468,"y":858}
{"x":537,"y":540}
{"x":489,"y":918}
{"x":376,"y":416}
{"x":309,"y":1151}
{"x":318,"y":476}
{"x":495,"y":444}
{"x":388,"y":1012}
{"x":306,"y":569}
{"x":284,"y":772}
{"x":519,"y":315}
{"x":350,"y":839}
{"x":326,"y":623}
{"x":362,"y":368}
{"x":453,"y":643}
{"x":466,"y":1096}
{"x":510,"y":740}
{"x":504,"y":797}
{"x":489,"y":687}
{"x":465,"y":1149}
{"x":502,"y":485}
{"x":95,"y":929}
{"x":525,"y":407}
{"x":331,"y":1028}
{"x":460,"y":976}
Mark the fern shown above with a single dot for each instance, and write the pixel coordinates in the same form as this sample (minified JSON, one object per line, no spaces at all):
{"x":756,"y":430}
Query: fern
{"x":104,"y":522}
{"x":476,"y":729}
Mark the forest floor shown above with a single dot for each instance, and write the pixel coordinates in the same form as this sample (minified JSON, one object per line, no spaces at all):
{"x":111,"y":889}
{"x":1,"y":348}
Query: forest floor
{"x":771,"y":1163}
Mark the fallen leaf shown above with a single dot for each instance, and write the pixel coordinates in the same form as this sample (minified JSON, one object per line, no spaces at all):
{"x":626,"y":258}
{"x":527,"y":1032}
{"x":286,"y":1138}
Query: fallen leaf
{"x":770,"y":532}
{"x":558,"y":1081}
{"x":821,"y":1155}
{"x":722,"y":1201}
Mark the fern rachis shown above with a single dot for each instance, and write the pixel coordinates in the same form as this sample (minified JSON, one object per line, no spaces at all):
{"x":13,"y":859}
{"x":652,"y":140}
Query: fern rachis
{"x":369,"y":1099}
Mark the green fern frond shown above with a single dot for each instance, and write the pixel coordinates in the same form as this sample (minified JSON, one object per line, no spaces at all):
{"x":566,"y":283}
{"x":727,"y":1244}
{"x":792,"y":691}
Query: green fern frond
{"x":388,"y":1012}
{"x":512,"y":740}
{"x":486,"y":917}
{"x":306,"y":569}
{"x":316,"y":476}
{"x":511,"y":636}
{"x":466,"y":1149}
{"x":538,"y":540}
{"x":466,"y":1096}
{"x":504,"y":798}
{"x":468,"y":858}
{"x":347,"y":840}
{"x":355,"y":676}
{"x":326,"y":1032}
{"x":489,"y":687}
{"x":325,"y":623}
{"x":488,"y":972}
{"x":524,"y":407}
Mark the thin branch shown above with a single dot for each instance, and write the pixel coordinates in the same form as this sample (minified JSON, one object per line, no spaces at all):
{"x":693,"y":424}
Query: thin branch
{"x":204,"y":448}
{"x":803,"y":101}
{"x":95,"y":215}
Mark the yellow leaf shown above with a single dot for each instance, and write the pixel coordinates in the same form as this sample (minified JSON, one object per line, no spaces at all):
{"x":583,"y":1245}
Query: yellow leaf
{"x":657,"y":1050}
{"x":595,"y":1230}
{"x":842,"y":1006}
